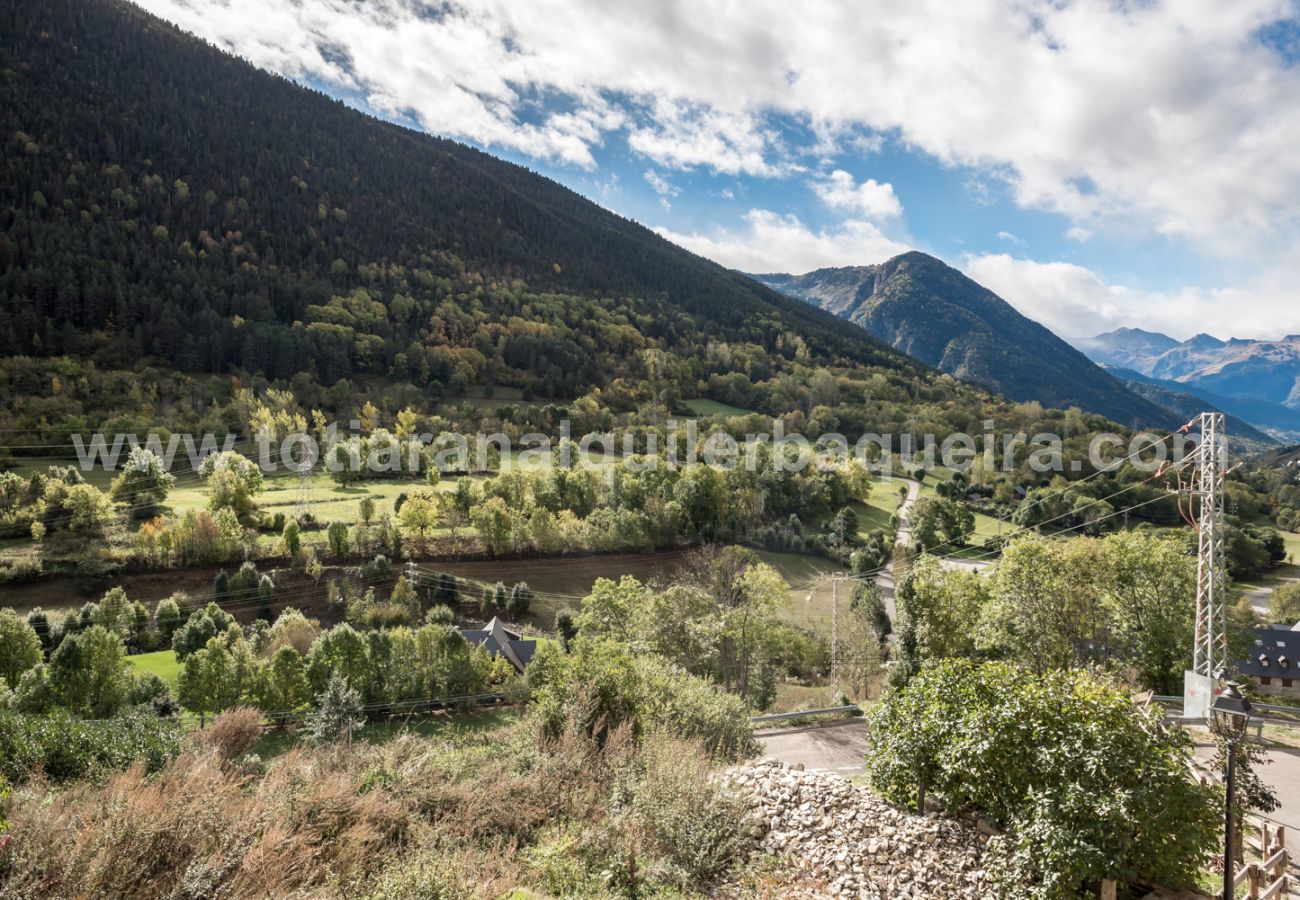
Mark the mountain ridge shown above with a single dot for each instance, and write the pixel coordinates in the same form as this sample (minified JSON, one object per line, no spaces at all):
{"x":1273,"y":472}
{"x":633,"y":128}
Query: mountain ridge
{"x":927,"y":309}
{"x":266,"y":207}
{"x":1266,"y":371}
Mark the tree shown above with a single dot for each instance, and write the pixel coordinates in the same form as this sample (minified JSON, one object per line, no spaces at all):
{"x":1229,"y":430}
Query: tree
{"x":1149,"y":586}
{"x":565,"y":629}
{"x":87,"y":672}
{"x":1284,"y":604}
{"x":366,"y":509}
{"x":233,"y":481}
{"x":937,"y":521}
{"x":521,"y":599}
{"x":495,"y":524}
{"x":420,"y":513}
{"x":845,"y":525}
{"x":291,"y":538}
{"x":941,"y":607}
{"x":40,"y":623}
{"x":337,"y":535}
{"x":284,"y":683}
{"x":1046,"y":611}
{"x":1045,"y":758}
{"x":336,"y":712}
{"x":265,"y":594}
{"x":89,"y":511}
{"x":20,"y":647}
{"x":339,"y":651}
{"x":114,"y":611}
{"x":143,"y":484}
{"x":167,"y":618}
{"x":869,"y":600}
{"x":202,"y":625}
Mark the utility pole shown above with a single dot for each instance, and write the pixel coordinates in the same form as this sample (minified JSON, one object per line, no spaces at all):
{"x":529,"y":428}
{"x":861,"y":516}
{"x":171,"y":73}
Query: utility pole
{"x":835,"y":627}
{"x":1210,"y":653}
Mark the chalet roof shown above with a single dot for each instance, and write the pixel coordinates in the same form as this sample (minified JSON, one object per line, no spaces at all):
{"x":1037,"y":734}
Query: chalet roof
{"x":498,"y":640}
{"x":1274,"y":654}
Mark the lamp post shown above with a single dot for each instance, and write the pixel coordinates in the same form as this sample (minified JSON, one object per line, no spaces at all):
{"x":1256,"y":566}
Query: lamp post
{"x":1231,"y":712}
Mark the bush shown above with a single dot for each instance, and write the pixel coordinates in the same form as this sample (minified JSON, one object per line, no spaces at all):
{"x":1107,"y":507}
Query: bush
{"x":694,"y":826}
{"x":1086,"y":785}
{"x":233,"y":732}
{"x":64,"y":747}
{"x":601,"y":686}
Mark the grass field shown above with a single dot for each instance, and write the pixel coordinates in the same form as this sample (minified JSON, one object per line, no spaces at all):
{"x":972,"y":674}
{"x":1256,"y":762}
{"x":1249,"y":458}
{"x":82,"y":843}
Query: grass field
{"x":702,"y":407}
{"x":163,"y":664}
{"x":1292,"y":546}
{"x":883,"y":501}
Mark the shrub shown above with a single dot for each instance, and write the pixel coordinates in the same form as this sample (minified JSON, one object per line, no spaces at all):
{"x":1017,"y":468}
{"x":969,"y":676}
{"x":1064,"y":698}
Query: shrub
{"x":694,"y":826}
{"x":601,"y":686}
{"x":233,"y":732}
{"x":336,"y":713}
{"x":1086,"y":785}
{"x":63,"y":746}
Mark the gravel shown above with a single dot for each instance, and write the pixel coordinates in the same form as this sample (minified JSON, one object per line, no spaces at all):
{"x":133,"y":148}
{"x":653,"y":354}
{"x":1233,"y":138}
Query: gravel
{"x":828,"y":838}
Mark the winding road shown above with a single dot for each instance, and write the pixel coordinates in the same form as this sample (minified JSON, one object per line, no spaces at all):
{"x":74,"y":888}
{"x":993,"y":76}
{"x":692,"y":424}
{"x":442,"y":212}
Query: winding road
{"x":904,"y":538}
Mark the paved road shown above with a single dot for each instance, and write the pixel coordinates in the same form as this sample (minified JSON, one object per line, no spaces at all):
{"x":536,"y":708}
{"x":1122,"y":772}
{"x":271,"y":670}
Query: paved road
{"x":837,"y":747}
{"x":1282,"y":773}
{"x":1260,"y":597}
{"x":840,"y":747}
{"x":886,"y":578}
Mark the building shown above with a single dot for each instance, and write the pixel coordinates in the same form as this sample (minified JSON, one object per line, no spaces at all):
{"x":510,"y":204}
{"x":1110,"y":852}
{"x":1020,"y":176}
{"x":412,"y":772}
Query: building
{"x":498,"y":640}
{"x":1271,"y":665}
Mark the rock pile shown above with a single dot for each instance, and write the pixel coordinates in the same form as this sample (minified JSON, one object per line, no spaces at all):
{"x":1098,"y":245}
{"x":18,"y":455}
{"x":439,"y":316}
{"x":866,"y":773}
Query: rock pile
{"x":835,"y":840}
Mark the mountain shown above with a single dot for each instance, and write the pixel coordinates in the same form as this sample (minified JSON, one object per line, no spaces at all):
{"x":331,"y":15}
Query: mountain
{"x":931,"y":311}
{"x":1171,"y":396}
{"x":1259,"y":372}
{"x":1280,"y":422}
{"x":1126,"y":347}
{"x":165,"y":203}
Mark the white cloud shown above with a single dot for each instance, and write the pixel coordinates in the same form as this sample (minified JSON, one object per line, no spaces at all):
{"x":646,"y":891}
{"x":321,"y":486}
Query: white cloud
{"x":1075,"y":301}
{"x":1161,"y":115}
{"x":771,"y":242}
{"x":869,"y":198}
{"x":1010,"y":238}
{"x":661,"y":185}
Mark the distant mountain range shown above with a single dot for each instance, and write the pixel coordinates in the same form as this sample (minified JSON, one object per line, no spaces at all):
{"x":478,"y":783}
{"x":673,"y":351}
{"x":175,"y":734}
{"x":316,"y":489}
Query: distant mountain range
{"x":1258,"y":381}
{"x":933,"y":312}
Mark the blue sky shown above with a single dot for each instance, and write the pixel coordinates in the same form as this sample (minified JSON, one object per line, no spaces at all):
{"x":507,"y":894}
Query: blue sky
{"x":1099,"y":164}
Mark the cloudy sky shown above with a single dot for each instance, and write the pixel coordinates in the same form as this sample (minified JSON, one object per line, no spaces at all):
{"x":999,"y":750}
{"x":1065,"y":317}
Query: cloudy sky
{"x":1096,"y":163}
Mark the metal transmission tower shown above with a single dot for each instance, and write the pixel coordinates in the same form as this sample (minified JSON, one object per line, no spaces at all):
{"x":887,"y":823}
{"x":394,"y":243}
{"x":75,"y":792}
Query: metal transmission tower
{"x":1211,"y":649}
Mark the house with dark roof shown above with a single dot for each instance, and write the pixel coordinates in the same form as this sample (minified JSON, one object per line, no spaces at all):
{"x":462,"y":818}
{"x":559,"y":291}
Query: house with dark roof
{"x":1271,"y":664}
{"x":498,"y":640}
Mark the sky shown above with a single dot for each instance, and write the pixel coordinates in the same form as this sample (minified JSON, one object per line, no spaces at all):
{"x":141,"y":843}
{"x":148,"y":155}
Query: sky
{"x":1097,"y":164}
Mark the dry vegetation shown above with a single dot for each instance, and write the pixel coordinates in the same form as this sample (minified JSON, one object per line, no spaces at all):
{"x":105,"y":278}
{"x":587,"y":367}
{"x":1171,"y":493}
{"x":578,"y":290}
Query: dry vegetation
{"x":476,"y":815}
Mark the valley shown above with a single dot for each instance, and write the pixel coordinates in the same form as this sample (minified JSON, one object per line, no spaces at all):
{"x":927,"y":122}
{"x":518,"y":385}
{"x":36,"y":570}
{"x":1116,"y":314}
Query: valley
{"x":383,"y":515}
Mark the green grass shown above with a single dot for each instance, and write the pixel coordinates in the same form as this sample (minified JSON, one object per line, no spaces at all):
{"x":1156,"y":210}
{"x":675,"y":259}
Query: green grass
{"x":1292,"y":541}
{"x":810,"y":588}
{"x":881,"y":504}
{"x":445,"y":724}
{"x":163,"y":664}
{"x":704,"y":407}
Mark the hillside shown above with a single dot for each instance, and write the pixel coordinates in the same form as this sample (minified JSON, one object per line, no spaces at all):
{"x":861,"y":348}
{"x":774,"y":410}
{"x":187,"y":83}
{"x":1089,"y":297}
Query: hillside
{"x":1267,"y":371}
{"x":929,"y":310}
{"x":213,"y":217}
{"x":1187,"y":404}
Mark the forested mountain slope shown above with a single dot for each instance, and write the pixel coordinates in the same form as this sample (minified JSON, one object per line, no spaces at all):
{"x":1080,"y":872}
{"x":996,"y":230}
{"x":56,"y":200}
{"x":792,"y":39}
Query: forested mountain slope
{"x":212,"y":216}
{"x":931,"y":311}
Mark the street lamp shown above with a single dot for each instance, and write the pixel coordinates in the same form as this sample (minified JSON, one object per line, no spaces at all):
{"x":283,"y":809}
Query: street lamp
{"x":1231,"y":712}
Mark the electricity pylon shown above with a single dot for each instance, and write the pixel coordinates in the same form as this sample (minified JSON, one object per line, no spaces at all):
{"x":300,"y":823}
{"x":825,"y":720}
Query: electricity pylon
{"x":1211,"y":650}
